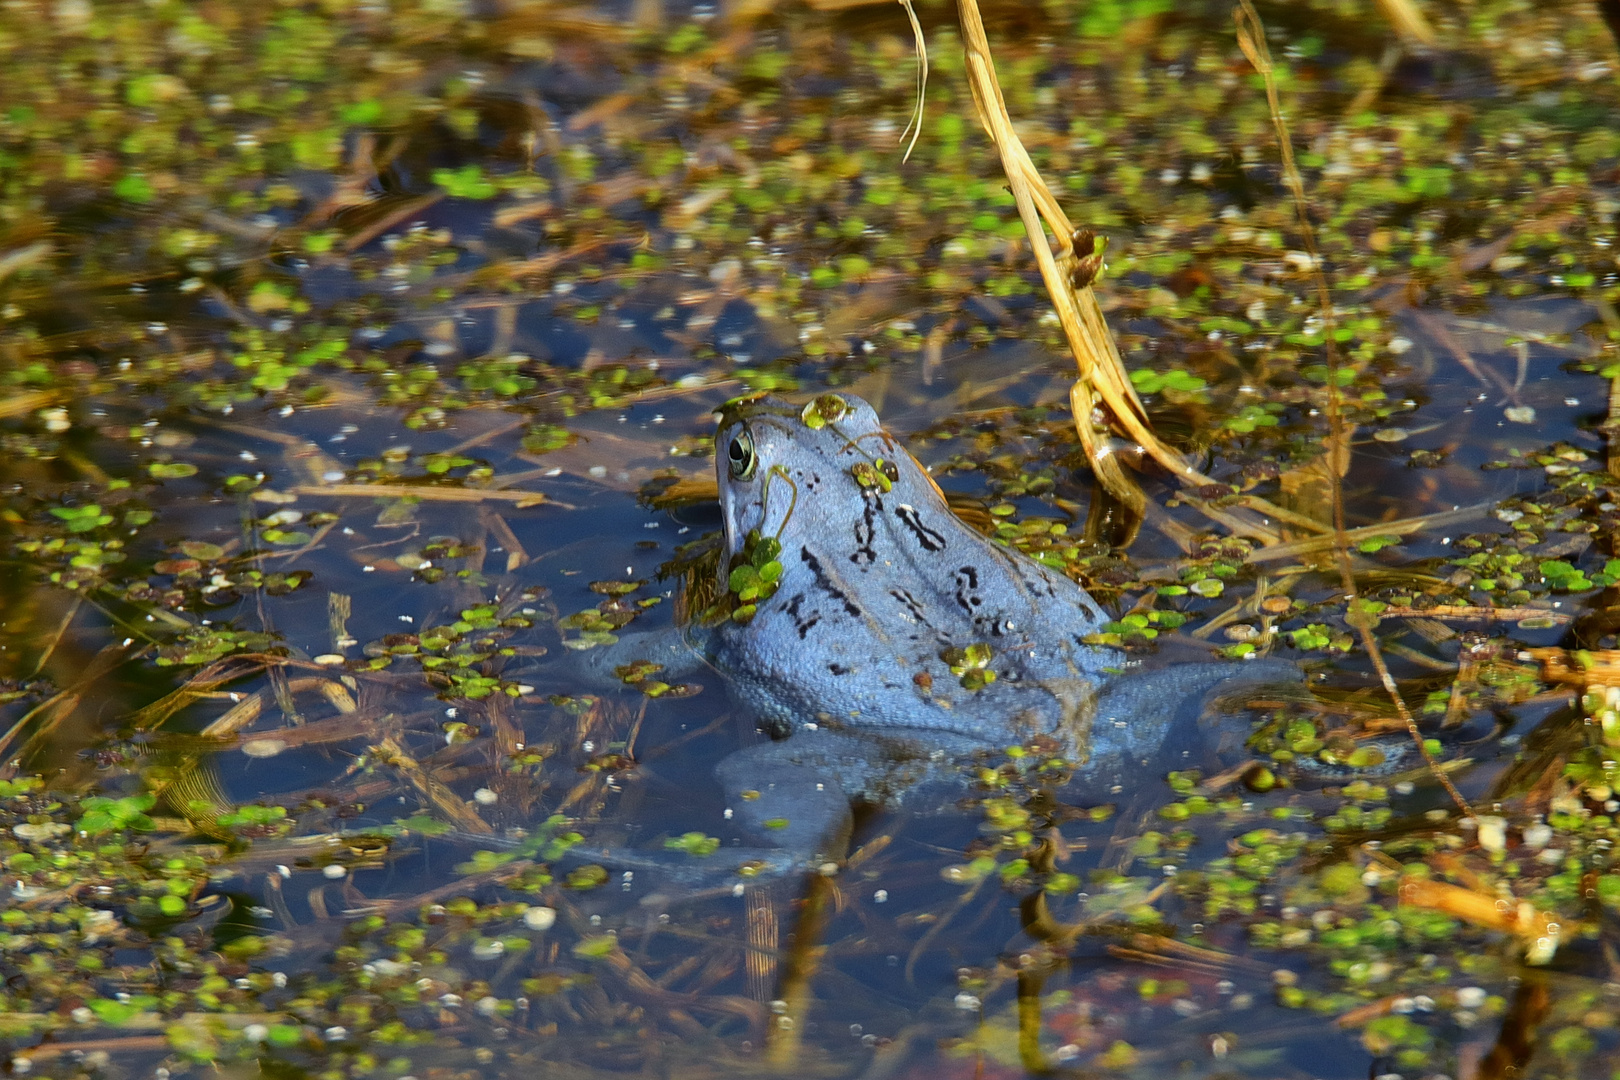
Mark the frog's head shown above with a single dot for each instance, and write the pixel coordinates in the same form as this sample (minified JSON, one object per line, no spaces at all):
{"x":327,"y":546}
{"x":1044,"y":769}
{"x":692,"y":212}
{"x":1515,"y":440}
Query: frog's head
{"x":804,"y":475}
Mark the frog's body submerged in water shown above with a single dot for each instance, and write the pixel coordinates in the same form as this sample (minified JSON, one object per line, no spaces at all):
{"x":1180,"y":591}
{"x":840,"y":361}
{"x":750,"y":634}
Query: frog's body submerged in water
{"x":896,"y":636}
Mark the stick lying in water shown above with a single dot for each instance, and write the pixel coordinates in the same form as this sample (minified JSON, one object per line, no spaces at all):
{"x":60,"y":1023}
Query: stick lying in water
{"x":425,"y":492}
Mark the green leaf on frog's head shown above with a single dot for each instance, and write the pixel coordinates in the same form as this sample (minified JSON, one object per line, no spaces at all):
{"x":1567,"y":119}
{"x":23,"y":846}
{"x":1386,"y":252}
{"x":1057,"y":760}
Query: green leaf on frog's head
{"x":971,"y":664}
{"x":824,"y":410}
{"x":977,"y":678}
{"x":869,"y":477}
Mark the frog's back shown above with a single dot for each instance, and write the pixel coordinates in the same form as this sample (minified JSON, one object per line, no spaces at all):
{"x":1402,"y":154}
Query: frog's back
{"x":890,"y":612}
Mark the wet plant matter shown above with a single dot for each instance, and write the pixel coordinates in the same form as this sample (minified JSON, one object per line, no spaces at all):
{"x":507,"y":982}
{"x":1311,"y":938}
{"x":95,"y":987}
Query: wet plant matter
{"x":339,"y":340}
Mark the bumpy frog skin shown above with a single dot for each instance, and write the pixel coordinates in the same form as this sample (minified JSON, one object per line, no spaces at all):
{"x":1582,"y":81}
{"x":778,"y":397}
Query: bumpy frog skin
{"x":882,"y":587}
{"x":898,"y":641}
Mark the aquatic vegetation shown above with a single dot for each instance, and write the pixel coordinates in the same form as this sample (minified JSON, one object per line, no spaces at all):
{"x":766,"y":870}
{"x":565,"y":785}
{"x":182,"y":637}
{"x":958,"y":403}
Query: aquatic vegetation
{"x":316,"y":319}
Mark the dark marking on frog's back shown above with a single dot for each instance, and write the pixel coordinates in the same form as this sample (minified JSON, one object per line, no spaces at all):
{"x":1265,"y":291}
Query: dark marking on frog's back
{"x":801,"y":623}
{"x":911,"y":605}
{"x":866,"y":532}
{"x":816,"y":569}
{"x":839,"y":669}
{"x":928,"y":538}
{"x":967,"y":586}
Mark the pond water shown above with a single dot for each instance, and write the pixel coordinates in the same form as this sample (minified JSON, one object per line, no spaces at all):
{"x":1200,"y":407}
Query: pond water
{"x":361,"y":363}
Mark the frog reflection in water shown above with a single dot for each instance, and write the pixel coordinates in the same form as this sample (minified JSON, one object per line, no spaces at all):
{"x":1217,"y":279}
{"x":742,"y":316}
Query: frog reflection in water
{"x":880,"y":640}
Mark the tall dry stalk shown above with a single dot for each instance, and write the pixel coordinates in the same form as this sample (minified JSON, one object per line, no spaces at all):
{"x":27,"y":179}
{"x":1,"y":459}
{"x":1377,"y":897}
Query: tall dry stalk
{"x":1409,"y":22}
{"x":1102,"y":396}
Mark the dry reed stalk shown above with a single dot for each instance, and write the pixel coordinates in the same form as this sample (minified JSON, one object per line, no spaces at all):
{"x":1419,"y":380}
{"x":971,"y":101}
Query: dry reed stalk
{"x":1103,"y":388}
{"x":19,"y":404}
{"x":423,"y":492}
{"x":1539,"y":932}
{"x":1409,"y":22}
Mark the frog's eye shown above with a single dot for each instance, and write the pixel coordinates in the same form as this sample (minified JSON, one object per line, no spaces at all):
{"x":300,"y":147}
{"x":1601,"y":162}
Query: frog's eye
{"x":741,"y":456}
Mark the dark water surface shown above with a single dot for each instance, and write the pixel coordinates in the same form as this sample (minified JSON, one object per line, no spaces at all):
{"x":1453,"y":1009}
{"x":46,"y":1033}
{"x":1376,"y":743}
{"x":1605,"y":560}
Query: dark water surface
{"x":291,"y":765}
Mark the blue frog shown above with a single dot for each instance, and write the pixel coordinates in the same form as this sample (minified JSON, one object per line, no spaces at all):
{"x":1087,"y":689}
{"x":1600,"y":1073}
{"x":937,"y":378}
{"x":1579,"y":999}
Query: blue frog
{"x":880,"y":640}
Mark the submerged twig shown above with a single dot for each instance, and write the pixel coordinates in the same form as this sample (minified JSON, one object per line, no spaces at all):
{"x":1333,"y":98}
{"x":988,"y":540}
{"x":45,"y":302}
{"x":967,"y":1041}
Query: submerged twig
{"x":389,"y":751}
{"x":243,"y":715}
{"x":13,"y":405}
{"x":1344,"y":537}
{"x":56,"y":638}
{"x":58,"y":707}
